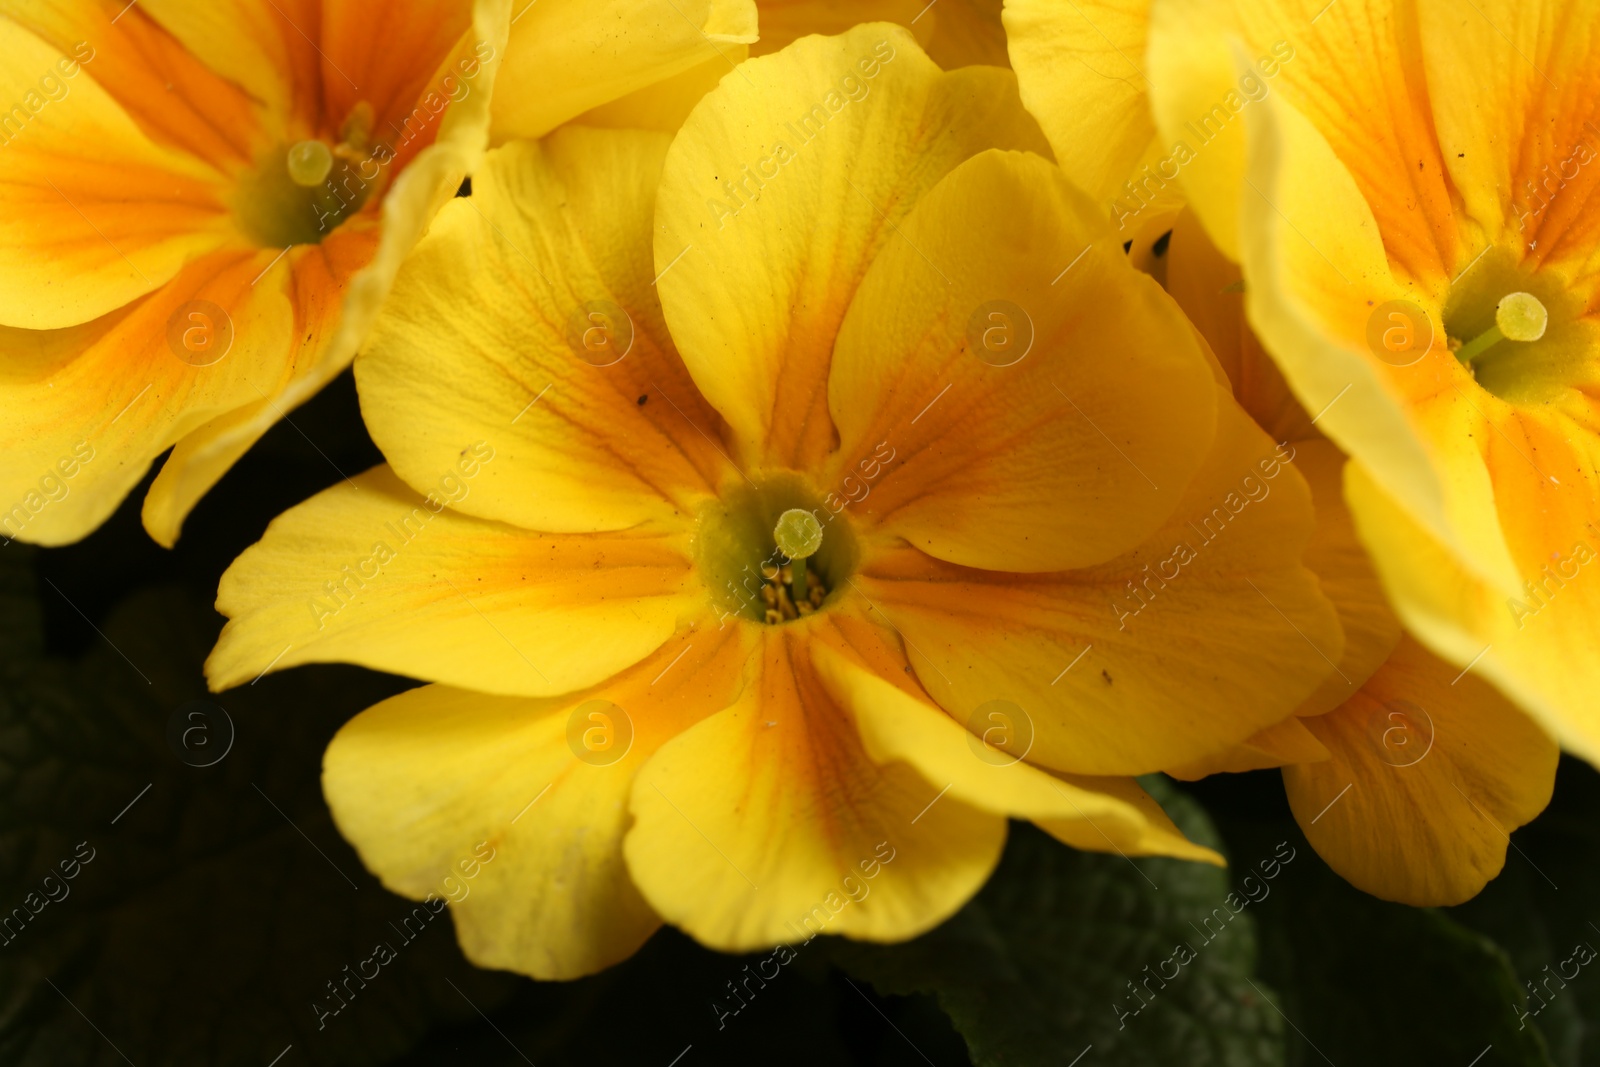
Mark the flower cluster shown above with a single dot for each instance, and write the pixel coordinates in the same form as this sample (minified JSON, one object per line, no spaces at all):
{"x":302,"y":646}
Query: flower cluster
{"x":812,"y":436}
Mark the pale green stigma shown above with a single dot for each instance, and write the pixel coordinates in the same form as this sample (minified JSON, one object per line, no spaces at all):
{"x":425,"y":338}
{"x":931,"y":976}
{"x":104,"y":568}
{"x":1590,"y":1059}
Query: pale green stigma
{"x":309,"y":163}
{"x":1518,"y":317}
{"x":798,"y":535}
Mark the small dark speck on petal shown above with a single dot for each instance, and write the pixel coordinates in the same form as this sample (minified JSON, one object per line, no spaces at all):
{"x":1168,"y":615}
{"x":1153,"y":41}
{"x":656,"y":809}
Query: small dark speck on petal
{"x":642,"y":399}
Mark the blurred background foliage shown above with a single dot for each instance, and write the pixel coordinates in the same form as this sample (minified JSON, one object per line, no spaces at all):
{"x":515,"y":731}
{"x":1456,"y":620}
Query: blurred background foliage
{"x":220,"y":900}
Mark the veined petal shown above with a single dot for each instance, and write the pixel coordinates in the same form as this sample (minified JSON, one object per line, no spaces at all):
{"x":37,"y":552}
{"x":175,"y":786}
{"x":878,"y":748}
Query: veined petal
{"x":266,"y":47}
{"x":1348,"y":579}
{"x":392,"y":57}
{"x":567,"y":58}
{"x":174,"y":98}
{"x":420,"y":781}
{"x":1314,"y":283}
{"x":768,"y":822}
{"x":86,"y":409}
{"x":1430,"y":773}
{"x":1138,"y":663}
{"x":1080,"y":67}
{"x":1520,"y":151}
{"x":533,"y":299}
{"x":373,"y":573}
{"x":1356,"y":76}
{"x":1007,"y":381}
{"x":806,"y":163}
{"x":1535,"y":642}
{"x":97,"y":213}
{"x":315,"y":280}
{"x":900,"y":724}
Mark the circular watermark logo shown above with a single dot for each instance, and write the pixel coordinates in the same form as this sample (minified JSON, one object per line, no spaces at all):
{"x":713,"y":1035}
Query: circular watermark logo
{"x":1000,"y":333}
{"x":200,"y":333}
{"x":601,"y":333}
{"x":1399,"y":332}
{"x":599,"y":732}
{"x":1000,"y":733}
{"x":200,"y":733}
{"x":1402,"y":733}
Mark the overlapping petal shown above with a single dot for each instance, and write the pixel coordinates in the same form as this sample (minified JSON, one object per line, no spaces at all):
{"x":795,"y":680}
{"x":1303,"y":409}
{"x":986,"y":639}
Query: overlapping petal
{"x":1431,"y":771}
{"x":419,"y":781}
{"x":1138,"y":663}
{"x":992,"y":349}
{"x":534,"y":299}
{"x":373,"y":572}
{"x":806,"y":164}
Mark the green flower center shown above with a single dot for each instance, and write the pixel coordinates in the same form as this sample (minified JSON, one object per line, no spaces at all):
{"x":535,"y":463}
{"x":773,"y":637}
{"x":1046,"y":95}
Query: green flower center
{"x":771,"y":553}
{"x":1517,"y":329}
{"x":299,"y":194}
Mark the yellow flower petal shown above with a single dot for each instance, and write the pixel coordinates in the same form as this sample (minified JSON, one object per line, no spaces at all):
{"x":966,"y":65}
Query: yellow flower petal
{"x":1080,"y":68}
{"x":805,"y":163}
{"x":979,"y":350}
{"x":898,"y":726}
{"x":769,"y":822}
{"x":1537,"y":644}
{"x":1427,"y":779}
{"x":954,"y":33}
{"x":373,"y":573}
{"x":86,"y":409}
{"x":1138,"y":663}
{"x":564,"y":59}
{"x":96,"y":213}
{"x":418,"y":782}
{"x":563,"y":354}
{"x":1278,"y":745}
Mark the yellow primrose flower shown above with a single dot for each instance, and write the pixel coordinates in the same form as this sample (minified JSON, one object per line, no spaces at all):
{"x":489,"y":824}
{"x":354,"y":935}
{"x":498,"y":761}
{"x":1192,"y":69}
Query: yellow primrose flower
{"x":776,"y":510}
{"x":1405,"y":773}
{"x":204,"y":205}
{"x":1392,"y":205}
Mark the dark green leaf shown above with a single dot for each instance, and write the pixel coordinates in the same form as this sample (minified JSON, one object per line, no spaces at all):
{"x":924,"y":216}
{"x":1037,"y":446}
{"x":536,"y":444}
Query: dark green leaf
{"x":1064,"y":950}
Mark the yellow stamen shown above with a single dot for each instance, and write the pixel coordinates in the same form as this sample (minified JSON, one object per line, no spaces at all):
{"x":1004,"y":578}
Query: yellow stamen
{"x":309,"y":163}
{"x":798,"y":535}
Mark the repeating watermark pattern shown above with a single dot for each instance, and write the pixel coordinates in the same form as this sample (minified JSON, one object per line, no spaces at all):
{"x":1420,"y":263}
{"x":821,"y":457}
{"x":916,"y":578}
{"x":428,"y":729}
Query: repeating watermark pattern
{"x":200,"y":333}
{"x":743,"y":189}
{"x":601,"y":333}
{"x":1000,"y":333}
{"x":1146,"y":187}
{"x":53,"y":488}
{"x":1399,"y":332}
{"x":1000,"y":733}
{"x":53,"y":87}
{"x":412,"y":925}
{"x":348,"y":187}
{"x":1142,"y":592}
{"x":53,"y":889}
{"x":599,"y":732}
{"x":813,"y":922}
{"x":1184,"y":953}
{"x":1401,"y":732}
{"x":1582,"y":954}
{"x":452,"y":488}
{"x":200,"y":733}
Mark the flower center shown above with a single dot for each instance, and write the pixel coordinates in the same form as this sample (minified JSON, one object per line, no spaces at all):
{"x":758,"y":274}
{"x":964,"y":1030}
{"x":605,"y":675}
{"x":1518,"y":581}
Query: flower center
{"x":770,"y":552}
{"x":298,"y":194}
{"x":1516,"y":329}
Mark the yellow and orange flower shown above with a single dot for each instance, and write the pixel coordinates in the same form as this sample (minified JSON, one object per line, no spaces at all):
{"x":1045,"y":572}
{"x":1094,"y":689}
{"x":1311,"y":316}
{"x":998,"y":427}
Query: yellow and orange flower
{"x":1406,"y":773}
{"x":1388,"y":173}
{"x":853,"y":285}
{"x":205,"y":205}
